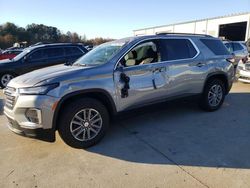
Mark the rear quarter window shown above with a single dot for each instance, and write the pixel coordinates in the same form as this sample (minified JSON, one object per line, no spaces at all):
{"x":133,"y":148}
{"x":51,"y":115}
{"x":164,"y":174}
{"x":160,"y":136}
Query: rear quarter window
{"x":216,"y":46}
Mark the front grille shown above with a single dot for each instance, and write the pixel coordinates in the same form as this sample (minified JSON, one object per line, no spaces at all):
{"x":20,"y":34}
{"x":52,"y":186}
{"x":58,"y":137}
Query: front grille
{"x":10,"y":97}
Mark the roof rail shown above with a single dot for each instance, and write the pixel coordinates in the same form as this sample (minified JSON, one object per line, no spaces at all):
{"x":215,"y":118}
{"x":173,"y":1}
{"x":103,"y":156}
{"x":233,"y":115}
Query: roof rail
{"x":167,"y":33}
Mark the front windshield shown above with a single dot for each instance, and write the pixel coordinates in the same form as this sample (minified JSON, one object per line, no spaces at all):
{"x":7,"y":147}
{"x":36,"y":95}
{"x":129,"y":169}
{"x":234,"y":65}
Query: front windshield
{"x":21,"y":55}
{"x":100,"y":55}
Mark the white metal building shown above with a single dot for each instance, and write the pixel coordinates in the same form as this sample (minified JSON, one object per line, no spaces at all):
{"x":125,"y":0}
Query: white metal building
{"x":232,"y":27}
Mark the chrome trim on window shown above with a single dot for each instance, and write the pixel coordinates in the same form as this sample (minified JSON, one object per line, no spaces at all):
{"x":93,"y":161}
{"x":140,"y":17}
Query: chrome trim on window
{"x":161,"y":38}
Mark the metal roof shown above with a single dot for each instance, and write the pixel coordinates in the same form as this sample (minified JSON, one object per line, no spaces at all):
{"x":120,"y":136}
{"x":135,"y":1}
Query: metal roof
{"x":179,"y":23}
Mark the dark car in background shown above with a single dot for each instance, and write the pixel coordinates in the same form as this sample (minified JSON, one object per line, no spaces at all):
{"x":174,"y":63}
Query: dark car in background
{"x":39,"y":56}
{"x":10,"y":54}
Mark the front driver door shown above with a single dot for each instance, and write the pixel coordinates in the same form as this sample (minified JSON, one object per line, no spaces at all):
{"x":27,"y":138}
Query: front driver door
{"x":137,"y":77}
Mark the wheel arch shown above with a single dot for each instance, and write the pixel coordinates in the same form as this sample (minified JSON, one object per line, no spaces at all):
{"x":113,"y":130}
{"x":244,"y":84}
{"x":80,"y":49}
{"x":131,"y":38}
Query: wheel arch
{"x":10,"y":72}
{"x":98,"y":94}
{"x":218,"y":75}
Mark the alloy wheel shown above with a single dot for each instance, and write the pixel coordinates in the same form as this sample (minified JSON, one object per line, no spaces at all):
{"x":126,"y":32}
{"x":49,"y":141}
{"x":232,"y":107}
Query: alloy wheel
{"x":215,"y":95}
{"x":6,"y":79}
{"x":86,"y":124}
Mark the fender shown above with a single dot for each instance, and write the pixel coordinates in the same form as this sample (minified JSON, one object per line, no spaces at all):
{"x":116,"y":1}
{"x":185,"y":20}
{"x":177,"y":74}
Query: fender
{"x":218,"y":73}
{"x":112,"y":107}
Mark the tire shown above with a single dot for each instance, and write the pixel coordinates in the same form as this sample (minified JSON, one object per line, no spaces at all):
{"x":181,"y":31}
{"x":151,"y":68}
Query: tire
{"x":210,"y":100}
{"x":5,"y":78}
{"x":75,"y":119}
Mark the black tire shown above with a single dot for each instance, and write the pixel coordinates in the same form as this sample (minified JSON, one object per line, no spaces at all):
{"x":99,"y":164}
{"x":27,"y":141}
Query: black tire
{"x":3,"y":85}
{"x":74,"y":108}
{"x":204,"y":102}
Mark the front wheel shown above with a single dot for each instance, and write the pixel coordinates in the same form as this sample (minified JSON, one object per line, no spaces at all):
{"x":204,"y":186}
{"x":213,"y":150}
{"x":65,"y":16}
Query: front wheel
{"x":83,"y":123}
{"x":213,"y":95}
{"x":5,"y":79}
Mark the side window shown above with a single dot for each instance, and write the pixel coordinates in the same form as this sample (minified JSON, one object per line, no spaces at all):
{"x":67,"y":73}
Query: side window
{"x":237,"y":47}
{"x":177,"y":49}
{"x":36,"y":55}
{"x":73,"y":51}
{"x":53,"y":52}
{"x":216,"y":46}
{"x":144,"y":53}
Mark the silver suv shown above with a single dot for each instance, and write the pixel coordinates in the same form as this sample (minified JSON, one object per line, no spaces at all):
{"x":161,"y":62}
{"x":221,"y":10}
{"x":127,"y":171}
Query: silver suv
{"x":238,"y":49}
{"x":78,"y":100}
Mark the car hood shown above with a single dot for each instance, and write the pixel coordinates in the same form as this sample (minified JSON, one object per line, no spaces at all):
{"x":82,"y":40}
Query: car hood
{"x":46,"y":76}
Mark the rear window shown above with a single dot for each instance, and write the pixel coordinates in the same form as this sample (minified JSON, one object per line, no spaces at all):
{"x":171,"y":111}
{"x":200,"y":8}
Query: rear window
{"x":177,"y":49}
{"x":216,"y":46}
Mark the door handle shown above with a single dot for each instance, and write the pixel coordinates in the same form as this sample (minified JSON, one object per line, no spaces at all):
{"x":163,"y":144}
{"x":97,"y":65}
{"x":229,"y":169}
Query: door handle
{"x":159,"y":69}
{"x":200,"y":64}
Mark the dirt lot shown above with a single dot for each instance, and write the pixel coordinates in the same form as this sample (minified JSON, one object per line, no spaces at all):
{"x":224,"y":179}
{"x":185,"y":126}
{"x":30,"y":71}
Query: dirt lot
{"x":169,"y":145}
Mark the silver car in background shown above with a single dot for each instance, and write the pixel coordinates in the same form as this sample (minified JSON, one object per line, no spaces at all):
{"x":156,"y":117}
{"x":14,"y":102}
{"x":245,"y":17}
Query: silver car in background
{"x":238,"y":49}
{"x":243,"y":71}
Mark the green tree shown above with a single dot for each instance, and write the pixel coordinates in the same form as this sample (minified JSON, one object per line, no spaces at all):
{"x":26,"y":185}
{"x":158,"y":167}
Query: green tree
{"x":33,"y":33}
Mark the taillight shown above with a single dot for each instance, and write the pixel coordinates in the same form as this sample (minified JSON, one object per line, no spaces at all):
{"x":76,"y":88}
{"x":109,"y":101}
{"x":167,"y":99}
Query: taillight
{"x":244,"y":60}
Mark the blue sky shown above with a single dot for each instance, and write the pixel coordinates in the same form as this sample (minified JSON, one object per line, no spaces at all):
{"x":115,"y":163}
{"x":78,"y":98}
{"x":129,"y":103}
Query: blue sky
{"x":113,"y":18}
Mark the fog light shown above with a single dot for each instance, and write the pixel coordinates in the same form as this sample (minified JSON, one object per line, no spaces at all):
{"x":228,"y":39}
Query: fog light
{"x":34,"y":116}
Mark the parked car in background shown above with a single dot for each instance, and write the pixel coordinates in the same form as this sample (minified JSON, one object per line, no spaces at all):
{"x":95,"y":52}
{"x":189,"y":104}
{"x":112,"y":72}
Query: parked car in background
{"x":243,"y":71}
{"x":238,"y":49}
{"x":89,"y":47}
{"x":79,"y":100}
{"x":10,"y":54}
{"x":37,"y":57}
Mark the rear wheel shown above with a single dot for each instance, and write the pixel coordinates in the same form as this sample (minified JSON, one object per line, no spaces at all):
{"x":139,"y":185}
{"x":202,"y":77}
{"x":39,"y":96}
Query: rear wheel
{"x":213,"y":95}
{"x":83,"y":123}
{"x":5,"y":79}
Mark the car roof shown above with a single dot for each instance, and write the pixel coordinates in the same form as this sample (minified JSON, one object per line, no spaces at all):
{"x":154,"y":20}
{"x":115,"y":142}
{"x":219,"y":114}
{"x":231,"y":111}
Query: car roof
{"x":228,"y":41}
{"x":54,"y":45}
{"x":169,"y":35}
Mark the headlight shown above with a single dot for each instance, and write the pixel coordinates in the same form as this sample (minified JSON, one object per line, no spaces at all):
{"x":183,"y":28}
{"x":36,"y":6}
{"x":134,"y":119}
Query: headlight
{"x":40,"y":90}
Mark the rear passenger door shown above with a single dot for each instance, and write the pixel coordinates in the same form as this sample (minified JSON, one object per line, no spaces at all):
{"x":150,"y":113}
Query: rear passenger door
{"x":184,"y":66}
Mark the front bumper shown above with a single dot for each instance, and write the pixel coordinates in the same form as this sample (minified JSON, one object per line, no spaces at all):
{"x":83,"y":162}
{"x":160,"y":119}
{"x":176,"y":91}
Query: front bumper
{"x":41,"y":134}
{"x":21,"y":124}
